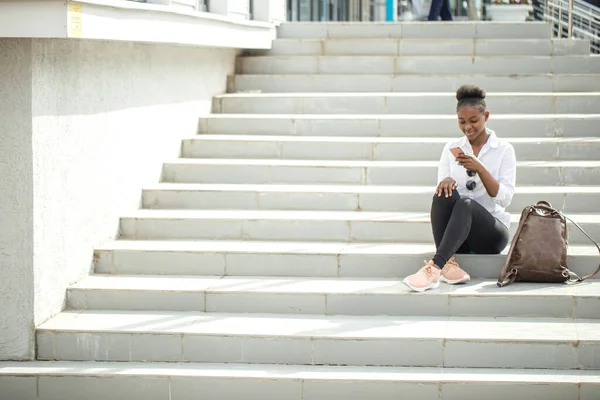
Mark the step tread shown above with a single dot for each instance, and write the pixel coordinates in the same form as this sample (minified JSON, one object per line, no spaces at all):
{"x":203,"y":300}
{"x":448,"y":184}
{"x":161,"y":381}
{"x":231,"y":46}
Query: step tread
{"x":351,"y":216}
{"x":376,"y":139}
{"x":432,"y":57}
{"x":325,"y":286}
{"x":398,"y":94}
{"x":328,"y":24}
{"x":361,"y":163}
{"x":269,"y":247}
{"x":360,"y":117}
{"x":290,"y":247}
{"x":475,"y":75}
{"x":556,"y":330}
{"x":469,"y":40}
{"x":293,"y":372}
{"x":387,"y":189}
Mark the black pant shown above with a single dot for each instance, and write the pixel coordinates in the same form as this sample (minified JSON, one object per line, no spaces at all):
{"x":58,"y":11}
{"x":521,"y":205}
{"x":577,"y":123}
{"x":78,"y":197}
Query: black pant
{"x":464,"y":226}
{"x":440,"y":7}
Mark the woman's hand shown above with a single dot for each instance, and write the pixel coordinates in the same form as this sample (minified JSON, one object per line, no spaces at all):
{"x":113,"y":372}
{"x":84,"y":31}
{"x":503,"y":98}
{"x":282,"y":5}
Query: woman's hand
{"x":446,"y":186}
{"x":470,"y":162}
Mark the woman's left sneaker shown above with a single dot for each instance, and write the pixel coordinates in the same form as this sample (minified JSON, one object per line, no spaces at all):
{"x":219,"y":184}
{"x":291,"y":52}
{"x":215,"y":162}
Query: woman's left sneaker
{"x":453,"y":274}
{"x":426,"y":278}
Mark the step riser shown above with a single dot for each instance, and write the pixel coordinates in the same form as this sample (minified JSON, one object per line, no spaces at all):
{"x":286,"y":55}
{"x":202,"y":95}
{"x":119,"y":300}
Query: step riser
{"x":396,"y":127}
{"x":358,"y":175}
{"x":512,"y":305}
{"x":403,"y":105}
{"x":297,"y":230}
{"x":420,"y":47}
{"x":410,"y":84}
{"x":369,"y":151}
{"x":315,"y":351}
{"x":418,"y":65}
{"x":131,"y":262}
{"x":180,"y":385}
{"x":326,"y":201}
{"x":415,"y":30}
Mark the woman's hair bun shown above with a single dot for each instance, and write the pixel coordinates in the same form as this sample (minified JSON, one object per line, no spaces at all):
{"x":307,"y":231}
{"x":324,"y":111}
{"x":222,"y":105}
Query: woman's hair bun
{"x":470,"y":91}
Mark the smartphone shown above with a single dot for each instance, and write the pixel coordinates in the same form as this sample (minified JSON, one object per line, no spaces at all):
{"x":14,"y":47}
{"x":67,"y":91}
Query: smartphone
{"x":457,"y":151}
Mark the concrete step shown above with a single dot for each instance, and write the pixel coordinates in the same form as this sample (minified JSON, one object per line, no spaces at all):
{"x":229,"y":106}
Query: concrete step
{"x":374,"y":148}
{"x":186,"y":381}
{"x":188,"y":196}
{"x":299,"y":259}
{"x":432,"y":64}
{"x":553,"y":343}
{"x":332,"y":296}
{"x":367,"y":83}
{"x":401,"y":125}
{"x":415,"y":30}
{"x":402,"y":103}
{"x":327,"y":226}
{"x":257,"y":171}
{"x":418,"y":47}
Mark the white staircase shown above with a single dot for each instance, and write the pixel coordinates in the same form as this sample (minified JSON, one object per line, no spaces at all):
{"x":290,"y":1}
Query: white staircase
{"x":268,"y":262}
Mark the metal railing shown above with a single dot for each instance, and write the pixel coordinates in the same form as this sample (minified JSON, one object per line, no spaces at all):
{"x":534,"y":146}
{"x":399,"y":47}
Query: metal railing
{"x":572,"y":19}
{"x":373,"y":10}
{"x":336,"y":10}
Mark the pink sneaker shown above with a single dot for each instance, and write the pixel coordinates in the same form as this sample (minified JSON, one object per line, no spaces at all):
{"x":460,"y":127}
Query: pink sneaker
{"x":428,"y":277}
{"x":453,"y":274}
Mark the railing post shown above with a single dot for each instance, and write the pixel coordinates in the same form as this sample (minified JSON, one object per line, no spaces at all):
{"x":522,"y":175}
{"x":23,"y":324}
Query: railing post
{"x":560,"y":25}
{"x":570,"y":31}
{"x":549,"y":13}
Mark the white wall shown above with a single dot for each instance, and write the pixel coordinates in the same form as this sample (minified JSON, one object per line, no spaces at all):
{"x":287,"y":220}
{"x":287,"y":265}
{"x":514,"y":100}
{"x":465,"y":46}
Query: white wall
{"x":16,"y":201}
{"x":105,"y":115}
{"x":161,"y":21}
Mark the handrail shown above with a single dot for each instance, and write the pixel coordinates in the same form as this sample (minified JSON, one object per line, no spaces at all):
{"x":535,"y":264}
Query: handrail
{"x":570,"y":29}
{"x":573,"y":19}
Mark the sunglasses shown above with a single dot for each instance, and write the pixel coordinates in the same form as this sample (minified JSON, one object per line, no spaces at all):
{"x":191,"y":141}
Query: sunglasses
{"x":471,"y":183}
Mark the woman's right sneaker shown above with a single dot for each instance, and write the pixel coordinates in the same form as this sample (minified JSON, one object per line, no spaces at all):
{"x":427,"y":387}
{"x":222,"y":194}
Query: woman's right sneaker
{"x":426,"y":278}
{"x":453,"y":274}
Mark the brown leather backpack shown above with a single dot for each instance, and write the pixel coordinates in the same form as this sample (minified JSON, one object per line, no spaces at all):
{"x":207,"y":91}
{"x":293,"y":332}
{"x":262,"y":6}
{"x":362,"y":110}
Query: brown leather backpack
{"x":538,"y":252}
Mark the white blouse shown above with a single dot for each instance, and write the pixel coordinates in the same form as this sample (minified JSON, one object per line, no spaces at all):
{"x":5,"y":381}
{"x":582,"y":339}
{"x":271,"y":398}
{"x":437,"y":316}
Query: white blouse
{"x":499,"y":159}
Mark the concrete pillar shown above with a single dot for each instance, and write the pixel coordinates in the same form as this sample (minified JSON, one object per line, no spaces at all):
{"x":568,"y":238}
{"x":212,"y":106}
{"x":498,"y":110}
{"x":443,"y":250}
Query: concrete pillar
{"x":16,"y":202}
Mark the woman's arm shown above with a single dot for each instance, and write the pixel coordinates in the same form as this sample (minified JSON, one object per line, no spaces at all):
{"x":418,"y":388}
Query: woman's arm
{"x":507,"y":178}
{"x":445,"y":184}
{"x":444,"y":165}
{"x":503,"y":189}
{"x":492,"y":186}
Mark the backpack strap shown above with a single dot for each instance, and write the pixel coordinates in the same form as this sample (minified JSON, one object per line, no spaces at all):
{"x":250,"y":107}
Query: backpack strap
{"x":512,"y":275}
{"x":593,"y":241}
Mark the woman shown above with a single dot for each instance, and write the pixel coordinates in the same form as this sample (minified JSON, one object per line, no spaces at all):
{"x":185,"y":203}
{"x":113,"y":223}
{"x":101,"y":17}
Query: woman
{"x":476,"y":182}
{"x":440,"y":7}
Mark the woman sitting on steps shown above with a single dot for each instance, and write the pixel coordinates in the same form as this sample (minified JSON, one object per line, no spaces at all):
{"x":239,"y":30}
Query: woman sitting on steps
{"x":476,"y":182}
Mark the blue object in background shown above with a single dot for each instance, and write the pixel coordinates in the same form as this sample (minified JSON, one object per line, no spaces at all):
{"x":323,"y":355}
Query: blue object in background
{"x":389,"y":10}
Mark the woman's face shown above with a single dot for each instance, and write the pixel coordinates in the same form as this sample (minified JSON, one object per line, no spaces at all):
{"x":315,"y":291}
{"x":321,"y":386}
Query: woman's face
{"x":472,"y":121}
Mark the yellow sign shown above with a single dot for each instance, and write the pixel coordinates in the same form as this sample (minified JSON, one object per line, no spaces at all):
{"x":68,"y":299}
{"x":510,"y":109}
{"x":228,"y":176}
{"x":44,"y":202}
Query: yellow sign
{"x":75,"y":22}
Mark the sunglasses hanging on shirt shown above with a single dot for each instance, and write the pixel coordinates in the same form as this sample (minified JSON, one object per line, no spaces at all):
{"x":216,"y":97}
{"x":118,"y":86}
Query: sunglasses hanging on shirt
{"x":471,"y":183}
